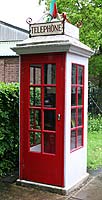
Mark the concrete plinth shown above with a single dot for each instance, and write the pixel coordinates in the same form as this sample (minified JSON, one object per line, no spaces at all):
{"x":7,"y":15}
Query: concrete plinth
{"x":54,"y":189}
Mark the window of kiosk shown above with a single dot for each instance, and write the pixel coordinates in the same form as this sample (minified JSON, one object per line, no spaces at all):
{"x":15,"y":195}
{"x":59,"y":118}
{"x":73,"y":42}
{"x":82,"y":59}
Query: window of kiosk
{"x":77,"y":107}
{"x":42,"y":111}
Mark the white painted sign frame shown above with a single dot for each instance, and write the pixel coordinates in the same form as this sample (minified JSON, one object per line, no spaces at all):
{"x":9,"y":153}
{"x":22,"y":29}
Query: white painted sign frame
{"x":45,"y":29}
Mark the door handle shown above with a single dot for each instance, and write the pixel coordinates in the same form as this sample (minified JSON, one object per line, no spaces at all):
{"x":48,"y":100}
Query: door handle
{"x":59,"y":117}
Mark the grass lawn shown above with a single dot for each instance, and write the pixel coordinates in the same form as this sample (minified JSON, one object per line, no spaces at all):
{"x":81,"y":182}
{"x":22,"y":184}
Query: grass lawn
{"x":95,"y":142}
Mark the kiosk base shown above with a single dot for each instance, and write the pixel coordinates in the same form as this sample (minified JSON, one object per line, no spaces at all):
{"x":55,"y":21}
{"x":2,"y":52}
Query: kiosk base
{"x":55,"y":189}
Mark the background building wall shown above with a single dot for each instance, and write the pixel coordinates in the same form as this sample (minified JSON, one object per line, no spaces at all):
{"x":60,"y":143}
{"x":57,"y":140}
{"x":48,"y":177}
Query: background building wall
{"x":10,"y":35}
{"x":9,"y":69}
{"x":1,"y":70}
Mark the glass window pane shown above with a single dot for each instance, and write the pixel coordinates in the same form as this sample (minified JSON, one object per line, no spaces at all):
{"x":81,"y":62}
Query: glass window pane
{"x":50,"y":97}
{"x":73,"y":74}
{"x":50,"y":143}
{"x":80,"y":75}
{"x":73,"y":140}
{"x":79,"y":116}
{"x":35,"y":74}
{"x":79,"y":96}
{"x":80,"y":136}
{"x":50,"y":120}
{"x":50,"y":74}
{"x":73,"y":96}
{"x":35,"y":119}
{"x":35,"y":141}
{"x":35,"y":96}
{"x":73,"y":118}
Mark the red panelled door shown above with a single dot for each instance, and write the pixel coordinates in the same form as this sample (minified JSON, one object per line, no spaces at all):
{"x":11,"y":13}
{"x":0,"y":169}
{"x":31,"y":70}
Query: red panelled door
{"x":42,"y":118}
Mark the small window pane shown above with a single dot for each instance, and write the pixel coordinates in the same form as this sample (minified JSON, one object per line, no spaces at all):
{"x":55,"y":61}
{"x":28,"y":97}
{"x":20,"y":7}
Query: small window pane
{"x":35,"y":96}
{"x":80,"y":75}
{"x":79,"y":96}
{"x":35,"y":74}
{"x":79,"y":116}
{"x":73,"y":118}
{"x":73,"y":96}
{"x":35,"y":141}
{"x":35,"y":119}
{"x":73,"y":74}
{"x":80,"y":137}
{"x":50,"y":97}
{"x":50,"y":143}
{"x":50,"y":74}
{"x":73,"y":140}
{"x":50,"y":120}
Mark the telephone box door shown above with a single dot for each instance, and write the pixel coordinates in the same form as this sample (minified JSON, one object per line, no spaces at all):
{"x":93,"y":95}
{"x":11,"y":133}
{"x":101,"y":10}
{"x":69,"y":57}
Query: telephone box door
{"x":42,"y":118}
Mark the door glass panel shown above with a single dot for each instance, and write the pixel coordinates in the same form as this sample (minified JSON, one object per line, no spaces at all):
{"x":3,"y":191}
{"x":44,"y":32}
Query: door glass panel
{"x":73,"y":74}
{"x":42,"y":108}
{"x":35,"y":141}
{"x":80,"y":74}
{"x":80,"y":137}
{"x":35,"y":96}
{"x":73,"y":139}
{"x":50,"y":97}
{"x":35,"y":119}
{"x":79,"y":116}
{"x":79,"y":96}
{"x":50,"y":74}
{"x":50,"y":143}
{"x":73,"y":118}
{"x":73,"y":96}
{"x":35,"y":74}
{"x":49,"y":119}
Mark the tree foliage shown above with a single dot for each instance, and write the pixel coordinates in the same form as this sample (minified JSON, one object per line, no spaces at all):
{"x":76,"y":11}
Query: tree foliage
{"x":90,"y":13}
{"x":87,"y":11}
{"x":95,"y":69}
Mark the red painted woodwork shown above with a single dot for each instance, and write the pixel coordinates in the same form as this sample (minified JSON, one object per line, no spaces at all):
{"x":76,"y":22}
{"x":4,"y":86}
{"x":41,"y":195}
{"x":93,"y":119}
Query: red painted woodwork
{"x":46,"y":166}
{"x":77,"y":107}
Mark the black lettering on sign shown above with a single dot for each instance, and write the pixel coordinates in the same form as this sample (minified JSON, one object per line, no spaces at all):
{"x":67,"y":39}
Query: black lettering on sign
{"x":52,"y":28}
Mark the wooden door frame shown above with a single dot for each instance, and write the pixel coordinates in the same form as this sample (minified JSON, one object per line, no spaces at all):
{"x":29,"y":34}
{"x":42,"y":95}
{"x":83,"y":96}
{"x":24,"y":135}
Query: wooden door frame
{"x":23,"y":103}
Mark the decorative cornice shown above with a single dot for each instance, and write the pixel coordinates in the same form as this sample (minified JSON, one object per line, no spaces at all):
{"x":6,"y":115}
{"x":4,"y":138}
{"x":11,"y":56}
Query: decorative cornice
{"x":55,"y":46}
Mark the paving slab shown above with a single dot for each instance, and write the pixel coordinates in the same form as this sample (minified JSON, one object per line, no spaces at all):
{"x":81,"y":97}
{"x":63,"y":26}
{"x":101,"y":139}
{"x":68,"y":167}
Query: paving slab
{"x":14,"y":192}
{"x":91,"y":191}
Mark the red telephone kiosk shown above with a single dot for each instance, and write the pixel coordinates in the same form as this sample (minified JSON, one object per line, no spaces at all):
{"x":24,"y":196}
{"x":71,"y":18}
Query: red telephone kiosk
{"x":53,"y":106}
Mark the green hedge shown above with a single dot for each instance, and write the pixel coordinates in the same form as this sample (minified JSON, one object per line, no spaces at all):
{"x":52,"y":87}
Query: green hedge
{"x":9,"y":117}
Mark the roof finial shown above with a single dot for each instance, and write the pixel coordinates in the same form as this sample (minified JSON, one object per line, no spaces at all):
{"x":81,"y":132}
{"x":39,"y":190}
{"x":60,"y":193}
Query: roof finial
{"x":53,"y":10}
{"x":53,"y":7}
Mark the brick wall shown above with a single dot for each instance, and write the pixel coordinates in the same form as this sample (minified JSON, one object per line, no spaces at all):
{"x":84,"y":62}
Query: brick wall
{"x":9,"y":69}
{"x":2,"y":70}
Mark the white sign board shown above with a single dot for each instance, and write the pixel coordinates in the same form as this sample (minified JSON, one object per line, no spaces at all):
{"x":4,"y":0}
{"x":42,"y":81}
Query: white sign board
{"x":51,"y":28}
